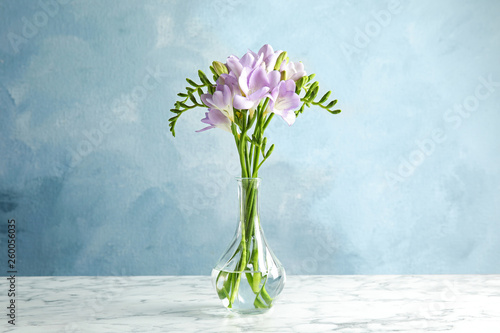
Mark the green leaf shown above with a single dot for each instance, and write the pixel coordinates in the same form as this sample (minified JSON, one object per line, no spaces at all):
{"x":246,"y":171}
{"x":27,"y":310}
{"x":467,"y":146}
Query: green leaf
{"x":325,"y":97}
{"x":314,"y":85}
{"x":331,"y":104}
{"x":314,"y":93}
{"x":193,"y":99}
{"x":204,"y":78}
{"x":185,"y":106}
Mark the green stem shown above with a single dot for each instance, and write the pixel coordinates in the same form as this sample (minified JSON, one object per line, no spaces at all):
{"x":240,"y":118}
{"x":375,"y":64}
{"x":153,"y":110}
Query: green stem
{"x":237,"y":141}
{"x":243,"y":263}
{"x":242,"y":148}
{"x":268,"y":120}
{"x":249,"y":159}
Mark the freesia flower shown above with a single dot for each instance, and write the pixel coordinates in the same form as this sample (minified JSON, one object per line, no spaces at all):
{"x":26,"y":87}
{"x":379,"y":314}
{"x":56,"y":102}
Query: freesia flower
{"x":284,"y":100}
{"x":215,"y":118}
{"x":254,"y":85}
{"x":229,"y":80}
{"x":249,"y":60}
{"x":269,"y":56}
{"x":222,"y":100}
{"x":293,"y":70}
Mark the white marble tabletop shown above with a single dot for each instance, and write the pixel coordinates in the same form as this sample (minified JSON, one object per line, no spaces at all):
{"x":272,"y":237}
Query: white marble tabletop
{"x":421,"y":303}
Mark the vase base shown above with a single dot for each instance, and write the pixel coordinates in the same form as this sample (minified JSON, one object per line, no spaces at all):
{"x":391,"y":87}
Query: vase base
{"x":248,"y":293}
{"x":249,"y":312}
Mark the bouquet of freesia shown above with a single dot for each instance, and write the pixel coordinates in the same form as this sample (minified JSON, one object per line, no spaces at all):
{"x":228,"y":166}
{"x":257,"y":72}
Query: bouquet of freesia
{"x":242,"y":99}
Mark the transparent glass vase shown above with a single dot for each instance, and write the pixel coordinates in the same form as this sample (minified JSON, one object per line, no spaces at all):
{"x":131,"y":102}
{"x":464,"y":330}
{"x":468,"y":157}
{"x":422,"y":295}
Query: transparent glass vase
{"x":248,"y":277}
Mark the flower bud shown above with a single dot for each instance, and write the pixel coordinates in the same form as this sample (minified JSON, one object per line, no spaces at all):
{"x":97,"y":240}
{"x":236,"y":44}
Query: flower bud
{"x":220,"y":68}
{"x":301,"y":82}
{"x":263,"y":145}
{"x":280,"y":59}
{"x":270,"y":151}
{"x":283,"y":76}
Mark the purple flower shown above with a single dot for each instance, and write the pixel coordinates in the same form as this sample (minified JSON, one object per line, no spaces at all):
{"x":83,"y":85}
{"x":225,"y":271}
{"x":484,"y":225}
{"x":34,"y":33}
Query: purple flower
{"x":222,"y":100}
{"x":229,"y":80}
{"x":215,"y":118}
{"x":254,"y":85}
{"x":251,"y":79}
{"x":269,"y":56}
{"x":293,"y":70}
{"x":283,"y":101}
{"x":249,"y":60}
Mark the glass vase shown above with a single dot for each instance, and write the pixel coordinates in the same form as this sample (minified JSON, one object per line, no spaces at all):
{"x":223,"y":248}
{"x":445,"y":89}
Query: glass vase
{"x":248,"y":277}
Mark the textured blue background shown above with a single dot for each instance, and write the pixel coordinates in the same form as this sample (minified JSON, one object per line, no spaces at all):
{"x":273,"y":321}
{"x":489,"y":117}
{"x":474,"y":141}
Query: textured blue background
{"x":405,"y":180}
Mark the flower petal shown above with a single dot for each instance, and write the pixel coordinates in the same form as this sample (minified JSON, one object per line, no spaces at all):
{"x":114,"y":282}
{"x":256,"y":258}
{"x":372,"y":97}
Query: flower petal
{"x":267,"y":50}
{"x":234,"y":65}
{"x":247,"y":60}
{"x":228,"y":95}
{"x":289,"y":117}
{"x":242,"y":103}
{"x":288,"y":102}
{"x":207,"y":100}
{"x":274,"y":79}
{"x":258,"y":79}
{"x":205,"y":129}
{"x":215,"y":118}
{"x":218,"y":100}
{"x":243,"y":80}
{"x":256,"y":96}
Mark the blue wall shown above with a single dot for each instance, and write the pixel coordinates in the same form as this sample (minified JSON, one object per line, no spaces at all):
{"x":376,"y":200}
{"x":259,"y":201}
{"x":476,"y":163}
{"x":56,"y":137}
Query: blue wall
{"x":406,"y":180}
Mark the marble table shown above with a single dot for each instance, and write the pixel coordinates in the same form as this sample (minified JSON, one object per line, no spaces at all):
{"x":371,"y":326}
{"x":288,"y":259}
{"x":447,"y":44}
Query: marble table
{"x":391,"y":303}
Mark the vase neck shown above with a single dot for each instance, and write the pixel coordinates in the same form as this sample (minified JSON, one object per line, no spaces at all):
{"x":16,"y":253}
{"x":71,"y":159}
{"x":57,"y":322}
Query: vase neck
{"x":248,"y":194}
